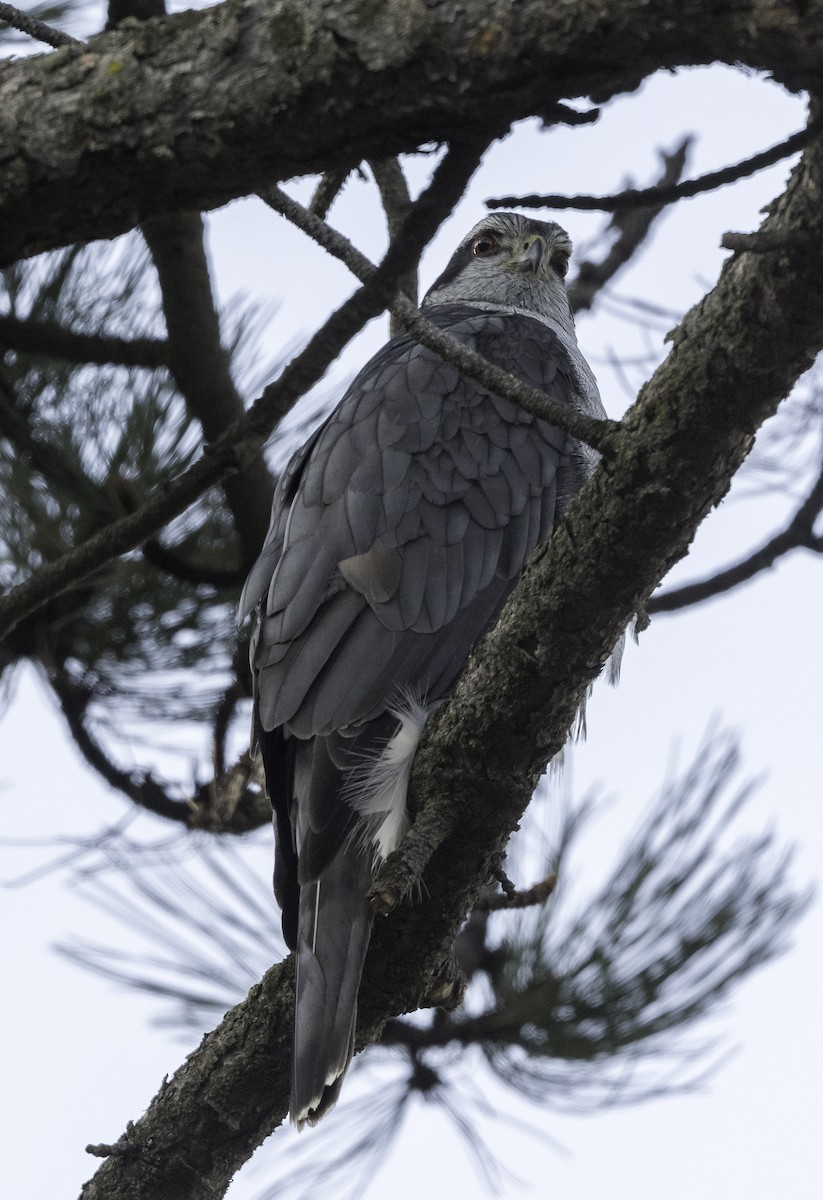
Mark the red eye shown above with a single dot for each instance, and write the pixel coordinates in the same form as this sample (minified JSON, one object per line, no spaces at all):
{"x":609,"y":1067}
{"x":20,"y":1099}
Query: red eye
{"x":484,"y":246}
{"x":560,"y":262}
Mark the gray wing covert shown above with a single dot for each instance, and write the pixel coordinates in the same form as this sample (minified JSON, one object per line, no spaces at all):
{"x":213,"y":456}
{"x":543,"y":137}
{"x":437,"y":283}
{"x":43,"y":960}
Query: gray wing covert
{"x":401,"y":529}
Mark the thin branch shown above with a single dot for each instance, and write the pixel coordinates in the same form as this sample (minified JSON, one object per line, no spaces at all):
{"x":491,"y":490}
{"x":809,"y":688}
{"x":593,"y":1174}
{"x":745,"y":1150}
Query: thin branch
{"x":327,"y":191}
{"x":51,"y":340}
{"x":662,"y":194}
{"x":396,"y":201}
{"x":632,"y":229}
{"x":243,"y":439}
{"x":799,"y":534}
{"x":200,"y":365}
{"x":599,"y":434}
{"x":147,"y":793}
{"x":39,"y":30}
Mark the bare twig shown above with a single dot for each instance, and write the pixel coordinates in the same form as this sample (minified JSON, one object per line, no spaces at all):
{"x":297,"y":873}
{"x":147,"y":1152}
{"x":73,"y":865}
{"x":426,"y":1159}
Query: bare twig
{"x":799,"y":534}
{"x":631,"y":228}
{"x":38,"y":30}
{"x":662,"y":194}
{"x":243,"y":439}
{"x":599,"y":434}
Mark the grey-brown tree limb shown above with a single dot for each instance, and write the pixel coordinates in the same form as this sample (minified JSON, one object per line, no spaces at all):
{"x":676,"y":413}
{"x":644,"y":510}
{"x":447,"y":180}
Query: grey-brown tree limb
{"x":735,"y":356}
{"x":200,"y":365}
{"x":195,"y":109}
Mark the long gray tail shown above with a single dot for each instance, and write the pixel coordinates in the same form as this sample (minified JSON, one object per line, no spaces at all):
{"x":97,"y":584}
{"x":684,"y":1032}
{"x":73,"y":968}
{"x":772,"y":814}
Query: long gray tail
{"x":333,"y":930}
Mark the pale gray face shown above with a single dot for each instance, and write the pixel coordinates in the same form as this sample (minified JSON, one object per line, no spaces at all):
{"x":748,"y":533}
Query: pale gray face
{"x":509,"y":260}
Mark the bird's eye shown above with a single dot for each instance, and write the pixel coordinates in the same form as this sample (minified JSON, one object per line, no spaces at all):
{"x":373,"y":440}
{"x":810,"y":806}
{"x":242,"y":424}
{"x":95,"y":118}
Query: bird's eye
{"x":560,"y":262}
{"x":484,"y":246}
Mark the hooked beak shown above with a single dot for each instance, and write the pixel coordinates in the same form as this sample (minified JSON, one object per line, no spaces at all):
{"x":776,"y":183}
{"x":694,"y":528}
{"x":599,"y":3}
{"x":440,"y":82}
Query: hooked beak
{"x":531,"y":255}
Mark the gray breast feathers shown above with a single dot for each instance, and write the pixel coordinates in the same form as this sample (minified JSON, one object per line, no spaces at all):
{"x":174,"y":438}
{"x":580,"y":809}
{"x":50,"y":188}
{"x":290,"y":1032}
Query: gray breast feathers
{"x":400,"y":529}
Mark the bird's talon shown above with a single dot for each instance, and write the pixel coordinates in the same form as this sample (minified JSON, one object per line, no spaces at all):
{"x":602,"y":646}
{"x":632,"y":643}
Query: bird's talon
{"x":384,"y":901}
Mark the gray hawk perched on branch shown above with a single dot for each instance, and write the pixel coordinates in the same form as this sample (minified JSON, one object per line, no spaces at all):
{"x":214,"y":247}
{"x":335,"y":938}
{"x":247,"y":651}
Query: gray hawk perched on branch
{"x":397,"y":533}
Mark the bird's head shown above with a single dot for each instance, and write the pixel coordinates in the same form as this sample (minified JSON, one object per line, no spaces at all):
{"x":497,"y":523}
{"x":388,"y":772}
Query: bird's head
{"x":511,"y":260}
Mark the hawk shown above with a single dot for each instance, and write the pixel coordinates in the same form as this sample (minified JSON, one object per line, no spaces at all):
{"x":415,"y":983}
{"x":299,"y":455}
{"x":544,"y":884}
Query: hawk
{"x":397,"y":533}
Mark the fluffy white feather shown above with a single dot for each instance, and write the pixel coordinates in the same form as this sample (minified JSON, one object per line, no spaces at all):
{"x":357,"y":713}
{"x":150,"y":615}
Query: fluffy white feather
{"x":377,"y":787}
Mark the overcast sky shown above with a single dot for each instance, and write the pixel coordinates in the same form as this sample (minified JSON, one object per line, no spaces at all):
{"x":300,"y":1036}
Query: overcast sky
{"x":81,"y":1057}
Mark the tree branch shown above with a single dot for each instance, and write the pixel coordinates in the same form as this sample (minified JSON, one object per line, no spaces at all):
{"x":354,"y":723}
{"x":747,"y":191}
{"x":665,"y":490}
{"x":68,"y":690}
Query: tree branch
{"x":50,"y":340}
{"x":327,"y":191}
{"x":664,"y":193}
{"x":200,"y":366}
{"x":235,"y":97}
{"x":396,"y":200}
{"x":632,"y":229}
{"x":147,"y":792}
{"x":799,"y":534}
{"x":60,"y":468}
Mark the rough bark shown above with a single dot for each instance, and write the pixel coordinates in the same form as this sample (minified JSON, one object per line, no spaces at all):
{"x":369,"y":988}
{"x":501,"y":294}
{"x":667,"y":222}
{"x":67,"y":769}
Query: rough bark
{"x":735,"y":356}
{"x":192,"y":110}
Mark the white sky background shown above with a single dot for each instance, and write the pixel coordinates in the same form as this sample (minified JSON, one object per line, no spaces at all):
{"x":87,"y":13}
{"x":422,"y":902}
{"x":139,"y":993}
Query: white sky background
{"x":80,"y":1058}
